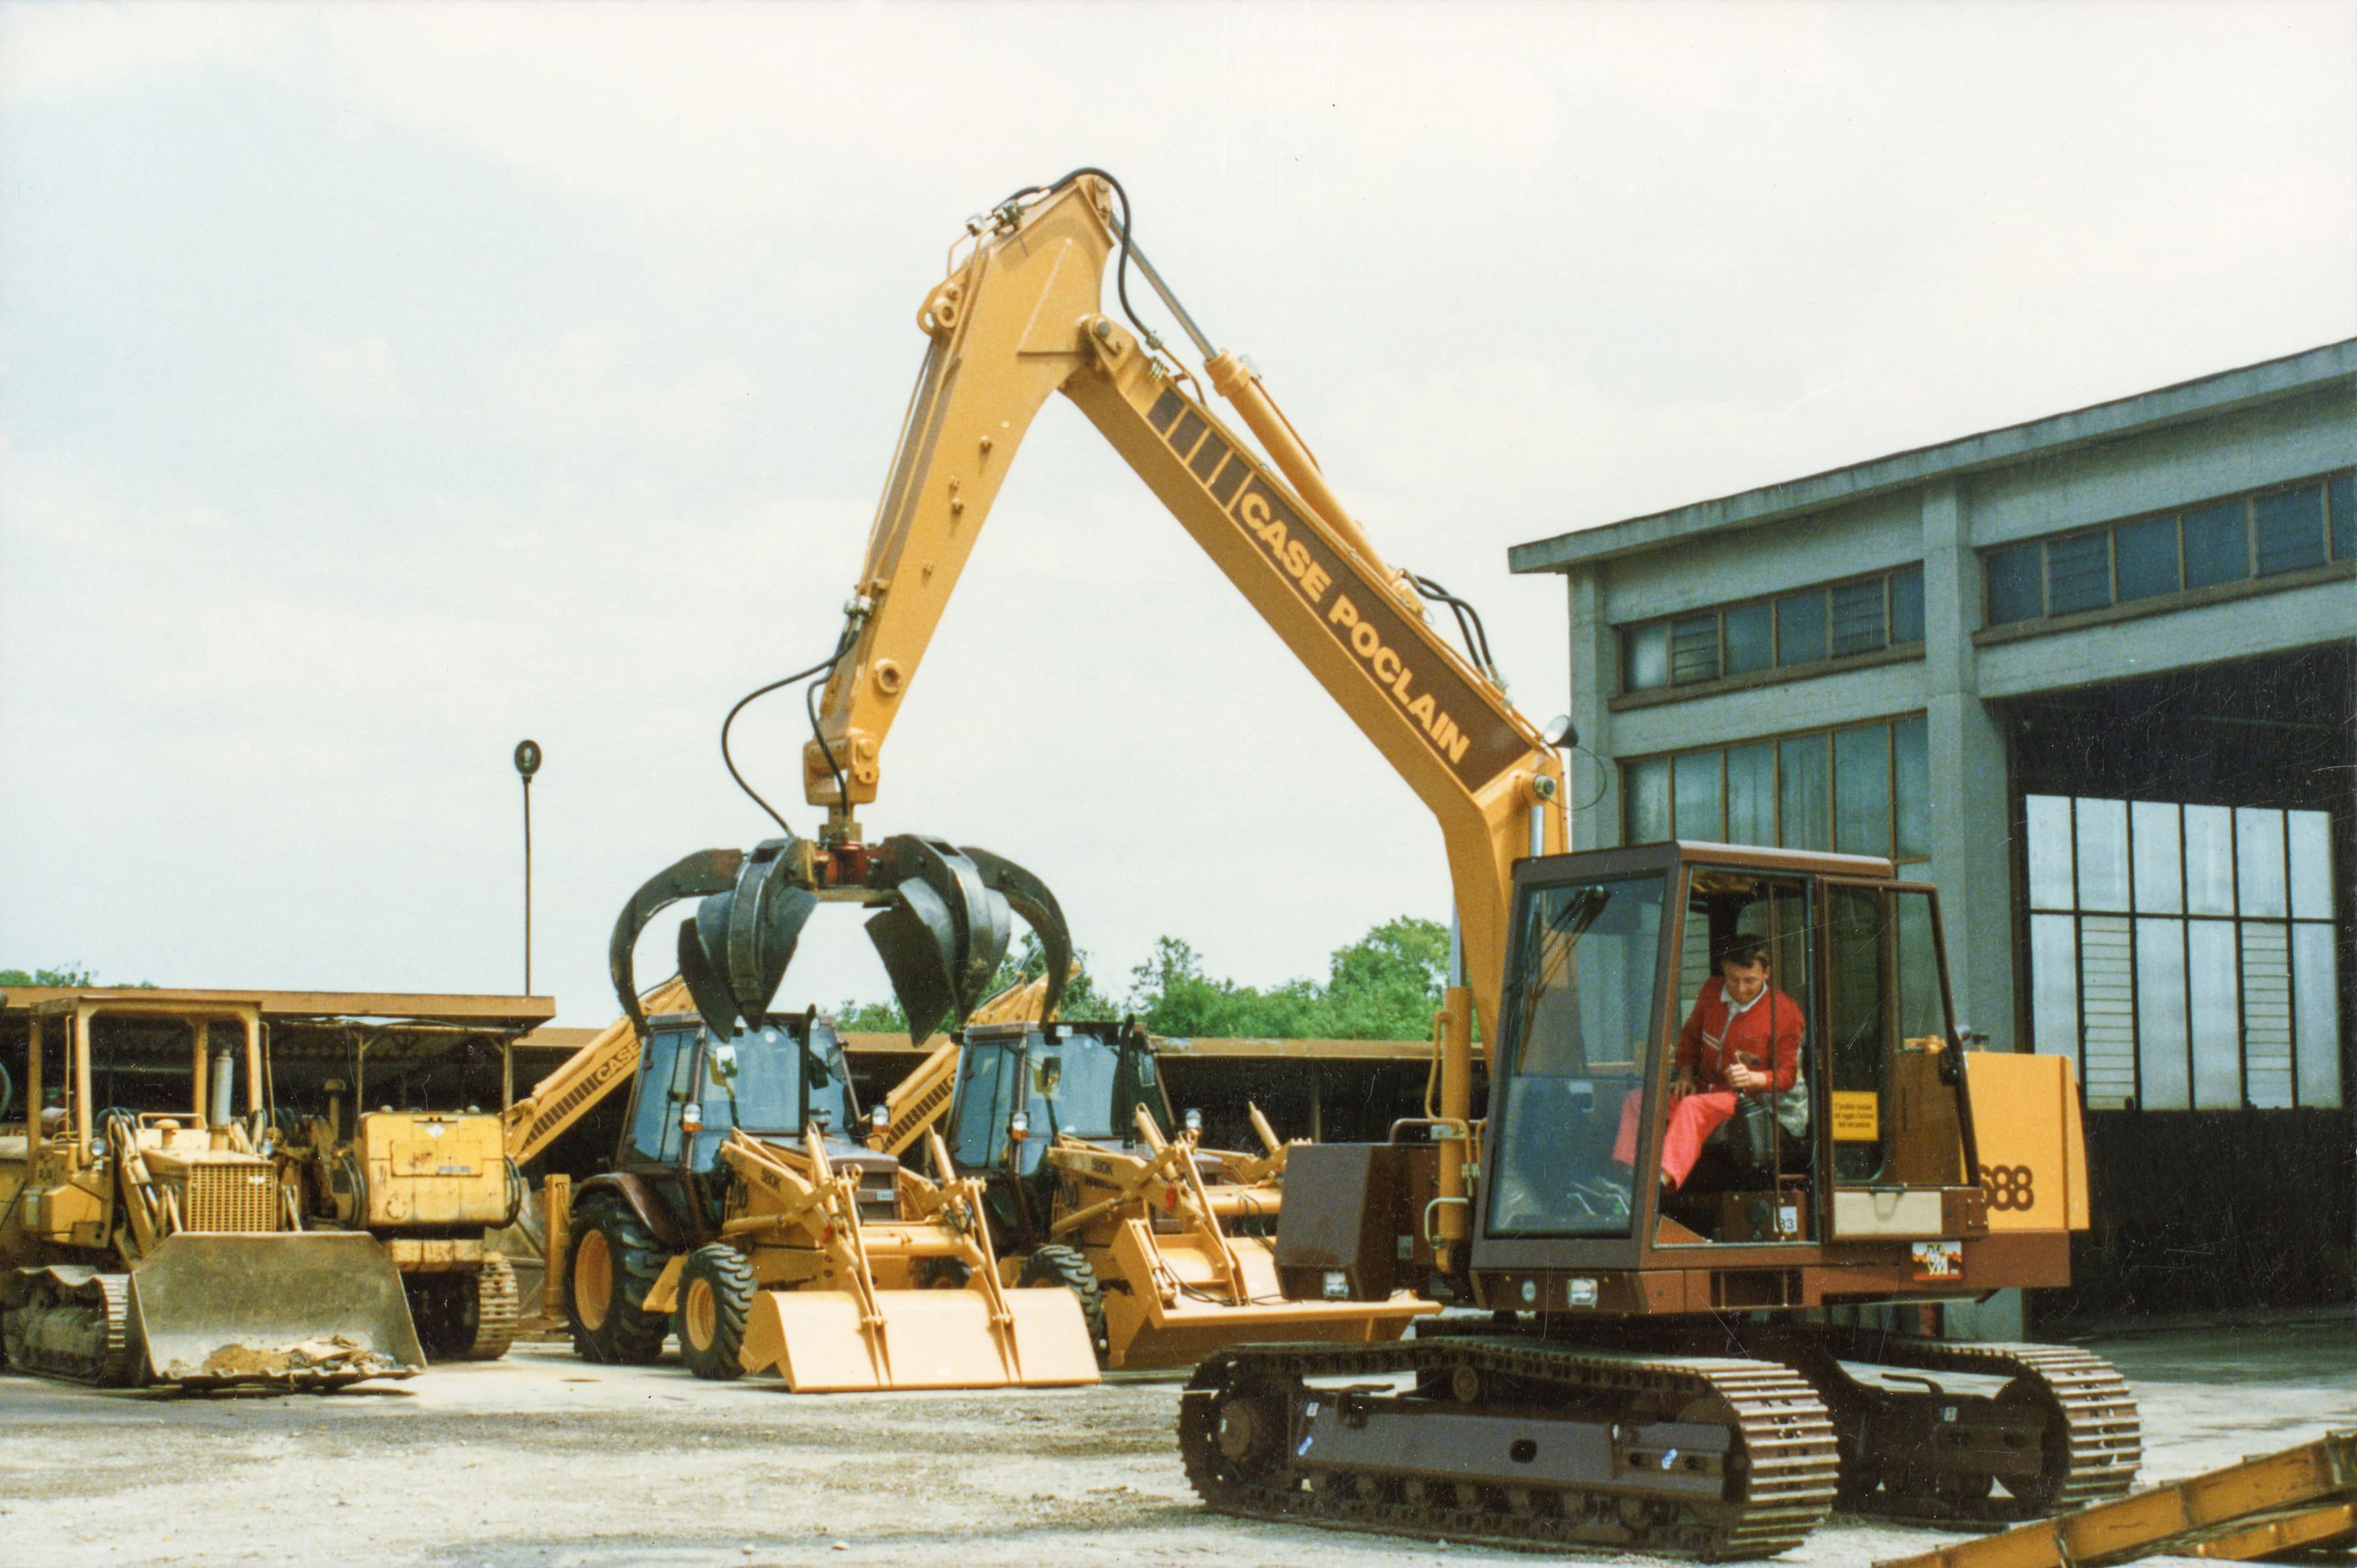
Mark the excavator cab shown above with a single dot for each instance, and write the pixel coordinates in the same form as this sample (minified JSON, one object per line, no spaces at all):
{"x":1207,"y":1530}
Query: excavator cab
{"x":1606,"y":1189}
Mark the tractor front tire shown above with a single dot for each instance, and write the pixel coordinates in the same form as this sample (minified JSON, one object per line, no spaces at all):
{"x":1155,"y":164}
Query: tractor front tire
{"x":614,"y":1262}
{"x":1055,"y":1265}
{"x":715,"y":1301}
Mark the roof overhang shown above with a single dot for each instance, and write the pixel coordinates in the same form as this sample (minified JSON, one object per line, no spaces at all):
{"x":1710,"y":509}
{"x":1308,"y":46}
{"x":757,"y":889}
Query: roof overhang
{"x":2227,"y":391}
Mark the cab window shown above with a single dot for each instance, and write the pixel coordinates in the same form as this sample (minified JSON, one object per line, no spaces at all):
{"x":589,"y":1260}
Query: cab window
{"x":662,"y":1094}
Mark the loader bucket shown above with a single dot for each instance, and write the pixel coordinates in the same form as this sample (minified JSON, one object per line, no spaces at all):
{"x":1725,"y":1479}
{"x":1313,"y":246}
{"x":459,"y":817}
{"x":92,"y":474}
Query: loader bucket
{"x":928,"y":1339}
{"x":310,"y":1308}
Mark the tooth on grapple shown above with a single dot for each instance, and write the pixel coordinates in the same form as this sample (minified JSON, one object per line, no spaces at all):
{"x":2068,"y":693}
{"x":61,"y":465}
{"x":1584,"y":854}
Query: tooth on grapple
{"x":1030,"y":898}
{"x":713,"y":999}
{"x":705,"y":872}
{"x":917,"y":936}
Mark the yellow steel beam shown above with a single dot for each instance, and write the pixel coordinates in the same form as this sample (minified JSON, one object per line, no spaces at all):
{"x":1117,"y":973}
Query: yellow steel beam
{"x":2229,"y":1506}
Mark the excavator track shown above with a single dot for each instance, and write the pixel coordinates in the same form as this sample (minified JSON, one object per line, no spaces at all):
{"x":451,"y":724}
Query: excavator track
{"x":2060,"y":1431}
{"x":1706,"y":1456}
{"x":2091,"y":1446}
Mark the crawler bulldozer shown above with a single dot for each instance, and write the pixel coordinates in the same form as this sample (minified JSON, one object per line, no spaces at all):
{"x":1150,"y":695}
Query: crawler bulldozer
{"x":430,"y":1186}
{"x":1092,"y":1185}
{"x":146,"y":1234}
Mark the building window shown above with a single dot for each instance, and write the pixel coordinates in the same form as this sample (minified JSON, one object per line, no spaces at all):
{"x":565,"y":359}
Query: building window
{"x":2268,"y":531}
{"x":1863,"y":789}
{"x":1837,"y":620}
{"x":2182,"y":955}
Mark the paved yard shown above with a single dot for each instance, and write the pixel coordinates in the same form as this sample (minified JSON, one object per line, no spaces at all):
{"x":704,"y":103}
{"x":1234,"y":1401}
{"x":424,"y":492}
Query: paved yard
{"x":542,"y":1462}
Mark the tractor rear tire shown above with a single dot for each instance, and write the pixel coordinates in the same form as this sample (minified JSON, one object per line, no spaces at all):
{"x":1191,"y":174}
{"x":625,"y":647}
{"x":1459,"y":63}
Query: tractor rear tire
{"x":1056,"y":1264}
{"x":715,"y":1301}
{"x":613,"y":1264}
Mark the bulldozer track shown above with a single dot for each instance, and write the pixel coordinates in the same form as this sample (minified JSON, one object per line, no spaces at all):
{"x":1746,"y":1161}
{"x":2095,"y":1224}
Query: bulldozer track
{"x":120,"y":1363}
{"x":1779,"y":1478}
{"x":497,"y":1309}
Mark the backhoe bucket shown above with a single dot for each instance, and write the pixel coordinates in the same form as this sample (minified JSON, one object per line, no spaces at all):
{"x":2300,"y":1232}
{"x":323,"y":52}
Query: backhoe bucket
{"x":308,"y":1308}
{"x":927,"y":1339}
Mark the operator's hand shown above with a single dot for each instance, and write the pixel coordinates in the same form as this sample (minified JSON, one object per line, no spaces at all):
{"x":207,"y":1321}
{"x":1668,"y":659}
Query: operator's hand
{"x":1744,"y":1079}
{"x":1681,"y":1086}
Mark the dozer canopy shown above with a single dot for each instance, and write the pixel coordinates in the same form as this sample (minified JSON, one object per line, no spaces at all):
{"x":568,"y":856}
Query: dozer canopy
{"x":311,"y":1308}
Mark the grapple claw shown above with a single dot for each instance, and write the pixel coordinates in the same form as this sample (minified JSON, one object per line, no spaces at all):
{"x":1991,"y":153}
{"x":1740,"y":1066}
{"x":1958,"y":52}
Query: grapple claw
{"x":1029,"y":897}
{"x":945,"y":918}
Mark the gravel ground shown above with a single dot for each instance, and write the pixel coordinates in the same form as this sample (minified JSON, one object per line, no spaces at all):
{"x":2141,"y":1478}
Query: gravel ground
{"x":542,"y":1460}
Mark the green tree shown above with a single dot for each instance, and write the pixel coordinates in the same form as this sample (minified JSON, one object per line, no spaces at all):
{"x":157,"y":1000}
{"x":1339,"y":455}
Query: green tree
{"x":1386,"y":985}
{"x":67,"y":974}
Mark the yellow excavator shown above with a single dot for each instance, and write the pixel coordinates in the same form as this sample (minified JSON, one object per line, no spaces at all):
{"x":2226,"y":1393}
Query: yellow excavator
{"x":146,"y":1234}
{"x":1657,"y":1371}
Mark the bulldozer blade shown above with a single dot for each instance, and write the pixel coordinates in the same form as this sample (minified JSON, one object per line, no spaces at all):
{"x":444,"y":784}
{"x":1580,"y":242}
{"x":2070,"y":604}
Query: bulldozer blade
{"x":310,"y":1308}
{"x":927,"y":1339}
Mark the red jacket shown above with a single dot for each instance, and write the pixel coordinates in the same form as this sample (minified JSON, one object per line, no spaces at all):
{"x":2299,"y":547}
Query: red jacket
{"x":1747,"y":1038}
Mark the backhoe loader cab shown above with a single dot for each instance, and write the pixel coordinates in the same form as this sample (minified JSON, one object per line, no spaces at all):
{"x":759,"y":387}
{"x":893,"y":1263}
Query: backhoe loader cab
{"x":1022,"y":1088}
{"x":775,"y":1082}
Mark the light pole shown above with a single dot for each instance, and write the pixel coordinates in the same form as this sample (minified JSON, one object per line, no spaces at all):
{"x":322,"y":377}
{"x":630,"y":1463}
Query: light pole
{"x":527,"y":763}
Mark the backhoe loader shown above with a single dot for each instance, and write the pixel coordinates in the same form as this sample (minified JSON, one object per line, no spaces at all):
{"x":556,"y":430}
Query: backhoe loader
{"x":145,"y":1231}
{"x":1092,"y":1185}
{"x":741,"y":1212}
{"x":1621,"y":1393}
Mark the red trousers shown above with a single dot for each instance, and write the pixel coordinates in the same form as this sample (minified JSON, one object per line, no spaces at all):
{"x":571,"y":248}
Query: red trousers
{"x":1693,"y":1118}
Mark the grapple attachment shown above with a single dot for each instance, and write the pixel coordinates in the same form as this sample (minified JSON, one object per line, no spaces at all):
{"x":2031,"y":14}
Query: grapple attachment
{"x":944,"y":917}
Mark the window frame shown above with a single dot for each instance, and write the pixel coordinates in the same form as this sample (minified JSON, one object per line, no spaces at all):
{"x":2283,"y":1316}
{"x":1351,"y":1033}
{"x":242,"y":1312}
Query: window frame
{"x":1667,"y":761}
{"x":2329,"y":483}
{"x":2200,"y":1084}
{"x":1664,"y":625}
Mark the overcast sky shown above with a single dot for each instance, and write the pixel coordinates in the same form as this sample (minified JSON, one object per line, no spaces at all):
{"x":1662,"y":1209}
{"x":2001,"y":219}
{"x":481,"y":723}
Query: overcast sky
{"x":378,"y":386}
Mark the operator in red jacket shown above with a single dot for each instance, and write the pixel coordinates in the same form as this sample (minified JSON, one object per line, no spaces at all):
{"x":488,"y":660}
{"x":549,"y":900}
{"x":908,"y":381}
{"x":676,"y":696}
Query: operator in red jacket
{"x":1742,"y":1038}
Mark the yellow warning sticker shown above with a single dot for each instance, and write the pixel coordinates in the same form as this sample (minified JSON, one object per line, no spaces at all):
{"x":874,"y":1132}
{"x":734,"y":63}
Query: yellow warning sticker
{"x":1858,"y":1117}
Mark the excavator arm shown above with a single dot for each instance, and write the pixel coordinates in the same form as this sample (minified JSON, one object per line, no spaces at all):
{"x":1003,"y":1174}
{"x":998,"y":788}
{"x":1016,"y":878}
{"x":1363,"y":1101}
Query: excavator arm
{"x":1022,"y":317}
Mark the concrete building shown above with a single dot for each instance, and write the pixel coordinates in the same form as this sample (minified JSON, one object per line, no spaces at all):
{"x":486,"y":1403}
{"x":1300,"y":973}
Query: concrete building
{"x":2089,"y":676}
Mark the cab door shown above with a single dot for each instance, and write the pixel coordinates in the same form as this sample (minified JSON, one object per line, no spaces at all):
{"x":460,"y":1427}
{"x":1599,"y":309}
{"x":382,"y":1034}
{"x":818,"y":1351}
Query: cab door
{"x":1902,"y":1166}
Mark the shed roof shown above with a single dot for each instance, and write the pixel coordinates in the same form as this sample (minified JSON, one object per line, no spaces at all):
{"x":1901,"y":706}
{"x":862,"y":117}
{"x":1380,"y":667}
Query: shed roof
{"x":2207,"y":397}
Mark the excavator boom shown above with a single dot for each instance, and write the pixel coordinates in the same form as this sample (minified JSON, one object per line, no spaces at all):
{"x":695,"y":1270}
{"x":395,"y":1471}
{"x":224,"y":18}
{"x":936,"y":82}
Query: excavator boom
{"x":1022,"y":317}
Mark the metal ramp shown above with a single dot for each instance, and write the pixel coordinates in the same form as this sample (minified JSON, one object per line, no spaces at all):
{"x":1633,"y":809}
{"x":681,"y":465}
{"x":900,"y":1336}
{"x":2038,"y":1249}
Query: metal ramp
{"x":2303,"y":1498}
